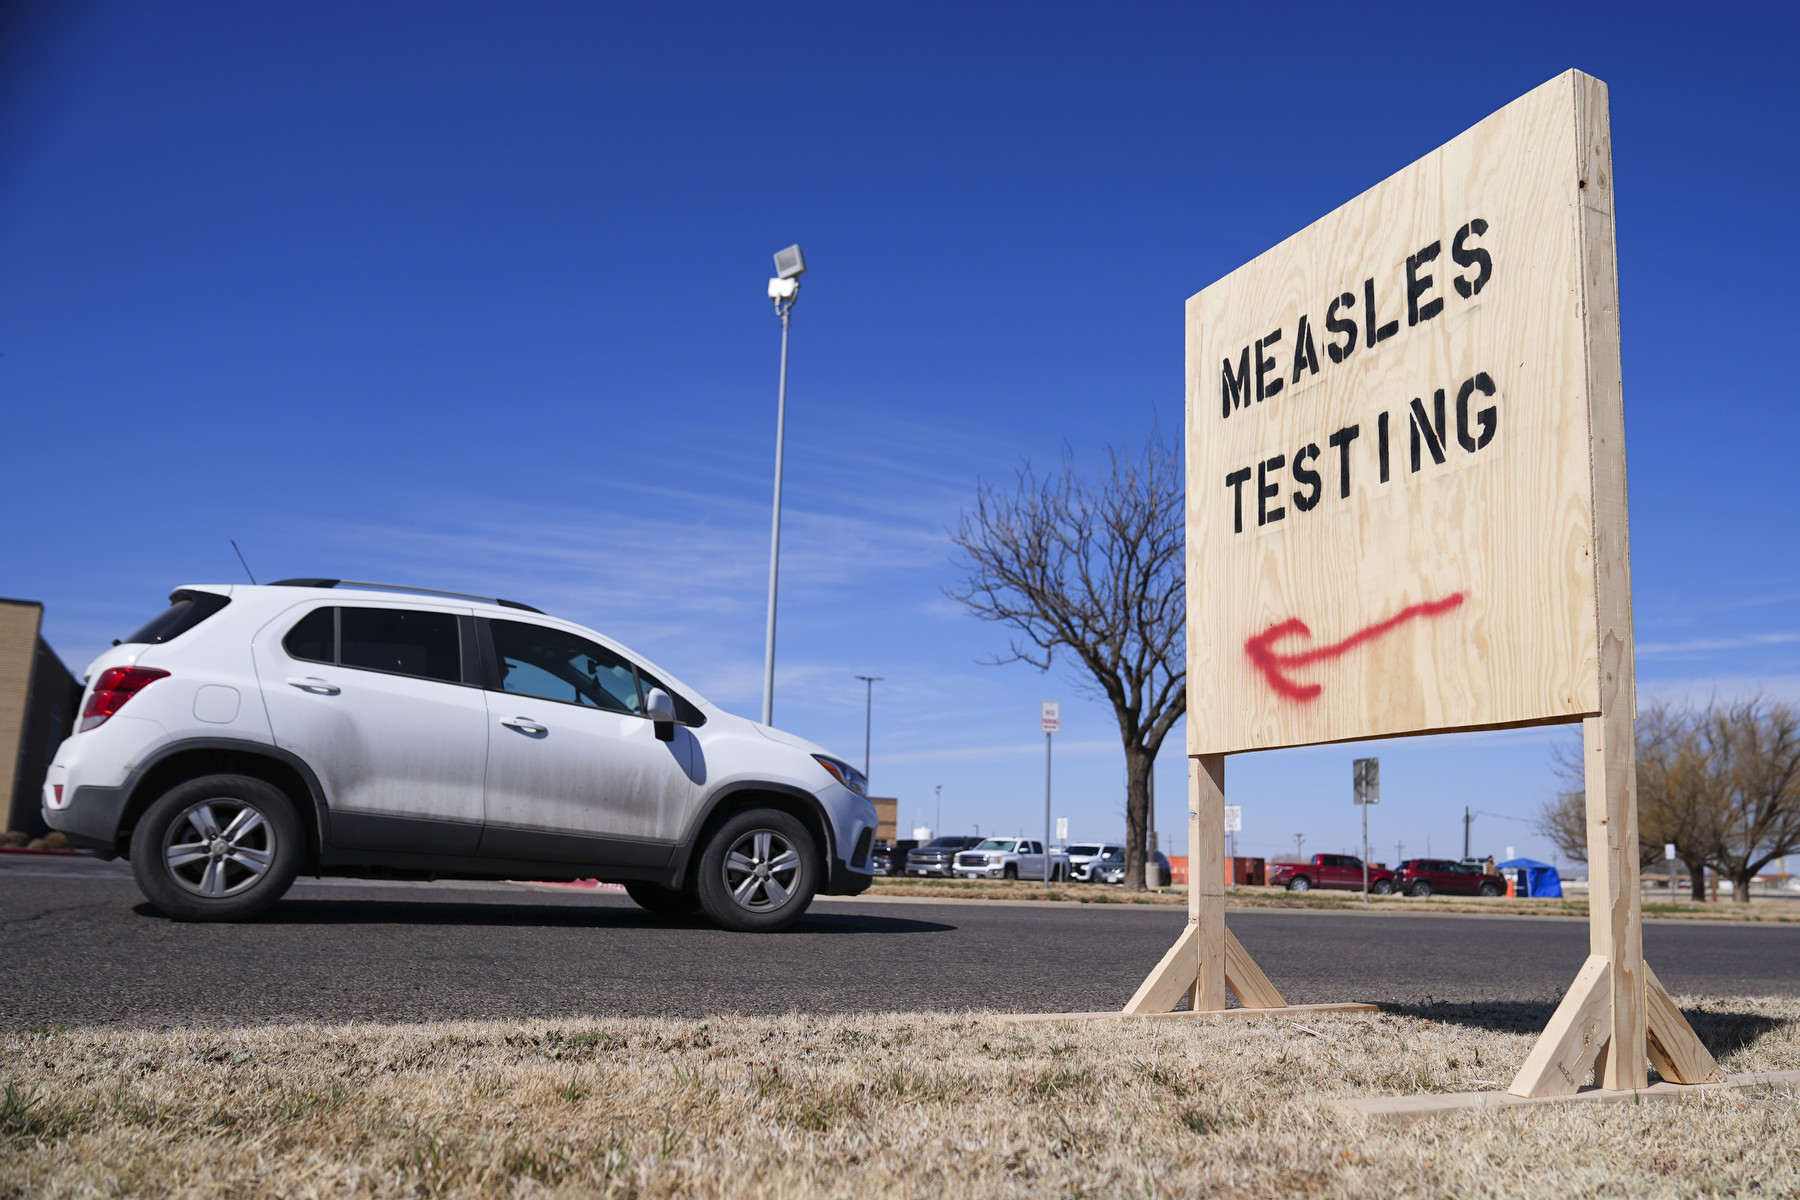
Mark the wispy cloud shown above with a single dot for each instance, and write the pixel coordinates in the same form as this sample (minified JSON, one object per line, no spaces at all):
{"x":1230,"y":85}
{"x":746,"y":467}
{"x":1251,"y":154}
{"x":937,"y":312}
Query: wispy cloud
{"x":1714,"y":645}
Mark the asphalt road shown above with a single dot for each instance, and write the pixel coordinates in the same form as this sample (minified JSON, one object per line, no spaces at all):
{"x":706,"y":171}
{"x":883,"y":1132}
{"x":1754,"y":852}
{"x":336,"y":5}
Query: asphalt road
{"x":78,"y":946}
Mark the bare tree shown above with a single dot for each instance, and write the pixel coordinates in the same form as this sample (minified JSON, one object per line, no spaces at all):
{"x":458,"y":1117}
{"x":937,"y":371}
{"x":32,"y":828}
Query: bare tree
{"x":1096,"y":572}
{"x":1720,"y":782}
{"x":1755,"y":761}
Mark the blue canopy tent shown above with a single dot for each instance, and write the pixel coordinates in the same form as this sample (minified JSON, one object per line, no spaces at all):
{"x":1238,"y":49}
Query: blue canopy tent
{"x":1540,"y":879}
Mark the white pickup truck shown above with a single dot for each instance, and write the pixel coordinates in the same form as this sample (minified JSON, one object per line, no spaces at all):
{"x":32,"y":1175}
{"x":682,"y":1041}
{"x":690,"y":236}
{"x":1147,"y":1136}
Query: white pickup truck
{"x":1009,"y":858}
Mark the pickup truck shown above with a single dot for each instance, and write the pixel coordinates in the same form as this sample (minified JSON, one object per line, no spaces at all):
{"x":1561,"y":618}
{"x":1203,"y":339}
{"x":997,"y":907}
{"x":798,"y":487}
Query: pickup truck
{"x":1009,"y":858}
{"x":1330,"y":871}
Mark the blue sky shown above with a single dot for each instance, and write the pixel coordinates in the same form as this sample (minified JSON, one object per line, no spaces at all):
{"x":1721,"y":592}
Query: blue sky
{"x":472,"y":296}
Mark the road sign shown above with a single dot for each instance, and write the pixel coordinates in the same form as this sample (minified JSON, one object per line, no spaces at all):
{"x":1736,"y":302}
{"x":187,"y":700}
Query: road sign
{"x":1234,"y":819}
{"x":1669,"y":851}
{"x":1366,"y":773}
{"x":1052,"y":716}
{"x":1062,"y":829}
{"x":1402,"y":422}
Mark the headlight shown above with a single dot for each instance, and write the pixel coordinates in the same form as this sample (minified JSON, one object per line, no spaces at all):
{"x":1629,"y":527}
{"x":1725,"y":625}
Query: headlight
{"x":844,"y":773}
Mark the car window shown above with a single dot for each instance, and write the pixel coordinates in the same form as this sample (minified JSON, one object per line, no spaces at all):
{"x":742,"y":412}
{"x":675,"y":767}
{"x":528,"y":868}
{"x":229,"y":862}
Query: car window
{"x":1113,"y":856}
{"x":314,"y":638}
{"x":553,"y":664}
{"x":401,"y":642}
{"x":186,"y":610}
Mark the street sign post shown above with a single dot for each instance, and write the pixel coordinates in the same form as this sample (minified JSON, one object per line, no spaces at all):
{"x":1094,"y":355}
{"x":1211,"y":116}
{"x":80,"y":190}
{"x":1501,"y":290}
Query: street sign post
{"x":1234,"y":823}
{"x":1062,"y":829}
{"x":1050,"y":719}
{"x":1365,"y":779}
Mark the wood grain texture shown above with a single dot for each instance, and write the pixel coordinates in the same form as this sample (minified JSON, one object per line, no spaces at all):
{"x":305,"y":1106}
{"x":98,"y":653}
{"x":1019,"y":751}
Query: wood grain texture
{"x":1676,"y":1053}
{"x":1246,"y":979}
{"x":1292,"y":1010}
{"x":1402,"y":1110}
{"x":1510,"y":526}
{"x":1172,"y":978}
{"x":1560,"y":1062}
{"x":1206,"y":879}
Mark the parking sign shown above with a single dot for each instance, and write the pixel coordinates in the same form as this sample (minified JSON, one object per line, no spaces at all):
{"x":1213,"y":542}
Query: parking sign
{"x":1052,"y":716}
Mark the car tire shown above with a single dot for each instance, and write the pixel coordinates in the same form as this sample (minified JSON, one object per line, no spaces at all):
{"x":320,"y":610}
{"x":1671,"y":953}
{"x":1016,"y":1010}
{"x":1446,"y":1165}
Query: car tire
{"x":1489,"y":890}
{"x":1009,"y":871}
{"x":217,"y":848}
{"x":1299,"y":883}
{"x":759,"y":871}
{"x":660,"y":901}
{"x":1384,"y":888}
{"x":1421,"y":889}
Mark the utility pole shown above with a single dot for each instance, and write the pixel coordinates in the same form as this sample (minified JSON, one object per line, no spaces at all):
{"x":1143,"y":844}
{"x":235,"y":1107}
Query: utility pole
{"x":1299,"y":841}
{"x":938,"y":829}
{"x":1399,"y":853}
{"x":1050,"y":720}
{"x":868,"y":716}
{"x":1467,"y":818}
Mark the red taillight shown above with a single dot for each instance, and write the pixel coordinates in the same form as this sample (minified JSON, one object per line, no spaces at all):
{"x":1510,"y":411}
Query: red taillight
{"x":115,"y":686}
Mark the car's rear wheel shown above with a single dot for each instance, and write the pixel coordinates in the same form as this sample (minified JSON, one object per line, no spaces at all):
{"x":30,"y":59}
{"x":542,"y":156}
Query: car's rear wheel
{"x":1489,"y":889}
{"x":217,"y":848}
{"x":1299,"y":883}
{"x":1421,"y":889}
{"x":661,"y":901}
{"x":759,"y":872}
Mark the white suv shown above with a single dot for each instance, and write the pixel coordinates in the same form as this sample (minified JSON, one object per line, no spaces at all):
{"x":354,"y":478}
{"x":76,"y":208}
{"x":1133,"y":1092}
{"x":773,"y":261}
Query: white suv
{"x":248,"y":733}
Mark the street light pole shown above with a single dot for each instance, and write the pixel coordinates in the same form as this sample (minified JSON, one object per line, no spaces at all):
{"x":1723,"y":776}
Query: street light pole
{"x":784,"y":289}
{"x":868,"y":717}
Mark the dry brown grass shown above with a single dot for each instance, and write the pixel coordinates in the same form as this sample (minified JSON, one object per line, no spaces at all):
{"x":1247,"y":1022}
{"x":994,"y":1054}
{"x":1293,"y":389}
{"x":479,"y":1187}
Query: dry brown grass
{"x":875,"y":1106}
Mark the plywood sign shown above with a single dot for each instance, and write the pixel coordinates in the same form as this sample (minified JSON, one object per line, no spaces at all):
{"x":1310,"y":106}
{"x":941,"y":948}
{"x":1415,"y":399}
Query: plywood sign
{"x":1391,"y":491}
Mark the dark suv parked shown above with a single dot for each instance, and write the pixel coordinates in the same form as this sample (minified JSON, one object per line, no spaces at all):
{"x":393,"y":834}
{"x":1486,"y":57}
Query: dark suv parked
{"x":1423,"y":876}
{"x":938,"y":856}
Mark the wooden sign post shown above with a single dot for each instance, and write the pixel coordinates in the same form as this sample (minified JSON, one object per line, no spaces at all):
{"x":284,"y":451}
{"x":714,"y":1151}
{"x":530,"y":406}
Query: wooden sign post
{"x":1406,"y":515}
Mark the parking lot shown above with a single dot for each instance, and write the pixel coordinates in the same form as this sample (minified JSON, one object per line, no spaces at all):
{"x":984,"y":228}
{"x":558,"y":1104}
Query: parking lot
{"x":78,"y":945}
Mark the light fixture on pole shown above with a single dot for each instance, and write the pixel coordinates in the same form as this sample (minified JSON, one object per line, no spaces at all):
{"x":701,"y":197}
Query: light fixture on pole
{"x":784,"y":289}
{"x":868,"y":716}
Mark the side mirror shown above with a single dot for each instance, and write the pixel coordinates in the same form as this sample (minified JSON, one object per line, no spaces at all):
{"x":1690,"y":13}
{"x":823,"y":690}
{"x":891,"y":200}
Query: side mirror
{"x":659,"y":706}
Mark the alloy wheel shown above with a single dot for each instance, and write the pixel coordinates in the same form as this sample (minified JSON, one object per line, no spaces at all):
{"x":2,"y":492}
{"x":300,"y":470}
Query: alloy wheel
{"x":219,"y":847}
{"x":761,"y":870}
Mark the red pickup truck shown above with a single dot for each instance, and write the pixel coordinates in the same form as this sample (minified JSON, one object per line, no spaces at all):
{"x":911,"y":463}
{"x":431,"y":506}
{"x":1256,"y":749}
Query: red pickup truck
{"x":1330,"y":871}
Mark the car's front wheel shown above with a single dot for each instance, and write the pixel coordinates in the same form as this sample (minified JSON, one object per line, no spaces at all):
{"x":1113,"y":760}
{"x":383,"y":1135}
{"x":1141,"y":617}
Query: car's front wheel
{"x":759,"y":872}
{"x":661,"y":901}
{"x":1384,"y":888}
{"x":1490,"y":890}
{"x":217,"y":848}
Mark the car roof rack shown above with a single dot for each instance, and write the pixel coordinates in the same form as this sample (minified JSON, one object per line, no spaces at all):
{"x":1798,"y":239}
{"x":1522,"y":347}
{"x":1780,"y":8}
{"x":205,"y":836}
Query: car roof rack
{"x":401,"y":587}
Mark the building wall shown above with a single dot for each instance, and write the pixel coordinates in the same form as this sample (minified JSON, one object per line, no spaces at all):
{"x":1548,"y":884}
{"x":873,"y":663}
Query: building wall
{"x":887,"y":817}
{"x":38,"y":697}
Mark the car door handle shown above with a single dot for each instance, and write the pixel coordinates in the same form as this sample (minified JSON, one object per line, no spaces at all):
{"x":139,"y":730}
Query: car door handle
{"x":313,"y":684}
{"x":523,"y":725}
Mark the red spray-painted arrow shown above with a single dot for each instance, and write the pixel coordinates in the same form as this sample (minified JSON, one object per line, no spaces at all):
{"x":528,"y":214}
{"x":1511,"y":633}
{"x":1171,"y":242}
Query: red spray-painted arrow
{"x":1272,"y":663}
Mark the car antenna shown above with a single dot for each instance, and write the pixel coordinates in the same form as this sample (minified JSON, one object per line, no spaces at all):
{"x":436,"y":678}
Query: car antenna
{"x":246,"y":565}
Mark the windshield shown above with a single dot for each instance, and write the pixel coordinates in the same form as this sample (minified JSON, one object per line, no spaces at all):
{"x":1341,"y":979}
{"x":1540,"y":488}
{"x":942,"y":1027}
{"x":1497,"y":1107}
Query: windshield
{"x":1085,"y":848}
{"x":997,"y":844}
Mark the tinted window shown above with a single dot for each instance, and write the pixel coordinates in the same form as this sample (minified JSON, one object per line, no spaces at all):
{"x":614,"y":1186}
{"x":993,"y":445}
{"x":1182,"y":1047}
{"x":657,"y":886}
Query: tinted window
{"x":1084,"y":848}
{"x":553,"y":665}
{"x":186,"y":610}
{"x":401,"y":641}
{"x":315,"y":637}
